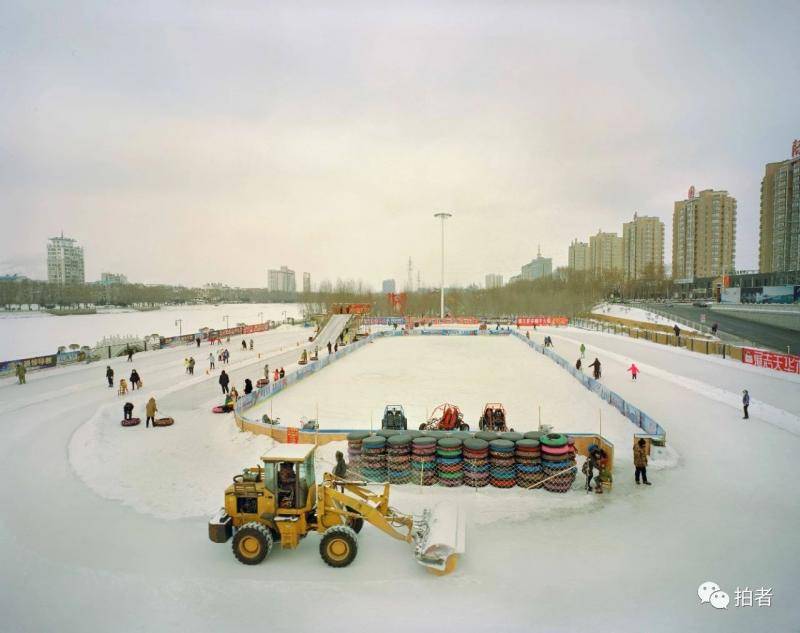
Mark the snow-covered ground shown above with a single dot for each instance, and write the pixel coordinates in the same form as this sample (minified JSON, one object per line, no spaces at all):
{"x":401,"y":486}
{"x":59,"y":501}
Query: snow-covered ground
{"x":105,"y":525}
{"x":636,"y":314}
{"x":26,"y":334}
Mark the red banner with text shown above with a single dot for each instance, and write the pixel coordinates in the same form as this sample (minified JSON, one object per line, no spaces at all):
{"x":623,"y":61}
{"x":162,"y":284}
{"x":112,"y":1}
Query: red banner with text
{"x":527,"y":321}
{"x":771,"y":360}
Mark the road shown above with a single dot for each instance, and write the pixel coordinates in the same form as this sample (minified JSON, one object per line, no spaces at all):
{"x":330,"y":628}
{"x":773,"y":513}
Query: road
{"x":762,"y":335}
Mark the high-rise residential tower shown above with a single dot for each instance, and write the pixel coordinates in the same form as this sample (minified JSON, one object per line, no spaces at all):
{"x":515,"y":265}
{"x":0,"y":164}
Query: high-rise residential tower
{"x":605,"y":253}
{"x":281,"y":280}
{"x":579,"y":256}
{"x":703,"y":235}
{"x":779,"y":234}
{"x":643,"y":247}
{"x":64,"y":261}
{"x":494,"y":281}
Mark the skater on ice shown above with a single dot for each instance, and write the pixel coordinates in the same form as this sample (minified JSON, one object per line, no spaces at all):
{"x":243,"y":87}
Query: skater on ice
{"x":640,"y":461}
{"x":634,"y":371}
{"x":746,"y":404}
{"x":110,"y":376}
{"x":596,"y":365}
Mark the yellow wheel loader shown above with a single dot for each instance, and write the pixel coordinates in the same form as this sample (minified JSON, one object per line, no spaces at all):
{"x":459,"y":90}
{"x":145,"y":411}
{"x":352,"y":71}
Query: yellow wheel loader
{"x":279,"y":501}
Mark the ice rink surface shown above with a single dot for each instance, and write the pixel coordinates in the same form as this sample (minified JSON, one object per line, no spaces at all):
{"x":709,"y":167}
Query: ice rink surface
{"x":103,"y":527}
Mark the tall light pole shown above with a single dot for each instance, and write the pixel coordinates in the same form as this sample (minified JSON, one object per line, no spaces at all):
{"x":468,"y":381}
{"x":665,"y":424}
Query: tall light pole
{"x":260,"y":317}
{"x":179,"y":323}
{"x":442,"y":216}
{"x":227,"y":320}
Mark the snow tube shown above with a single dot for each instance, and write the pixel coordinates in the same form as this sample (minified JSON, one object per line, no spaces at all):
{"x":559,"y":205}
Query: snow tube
{"x":450,"y":443}
{"x":388,"y":432}
{"x":220,"y":409}
{"x":163,"y":422}
{"x":501,"y":446}
{"x":554,"y":439}
{"x":476,"y":445}
{"x":374,"y":441}
{"x":131,"y":422}
{"x":533,"y":435}
{"x":464,"y":435}
{"x":487,"y":435}
{"x":527,"y":445}
{"x":512,"y":436}
{"x":400,"y":440}
{"x":556,"y":450}
{"x":358,"y":435}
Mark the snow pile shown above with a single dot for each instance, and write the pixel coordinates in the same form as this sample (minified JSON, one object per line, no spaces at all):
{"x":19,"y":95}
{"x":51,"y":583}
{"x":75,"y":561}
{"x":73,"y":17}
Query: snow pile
{"x":636,"y":314}
{"x":171,"y":472}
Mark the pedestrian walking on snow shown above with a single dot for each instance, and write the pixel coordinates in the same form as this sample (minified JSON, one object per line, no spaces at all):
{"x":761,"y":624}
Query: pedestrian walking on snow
{"x":211,"y":364}
{"x":634,"y":371}
{"x":130,"y":355}
{"x":191,"y":365}
{"x":251,"y":345}
{"x":583,"y":350}
{"x":186,"y":365}
{"x":248,"y":386}
{"x":640,"y":461}
{"x":198,"y":341}
{"x":677,"y":330}
{"x":20,"y":371}
{"x":745,"y":404}
{"x":244,"y":345}
{"x":223,"y":381}
{"x":596,"y":365}
{"x":579,"y":365}
{"x":110,"y":376}
{"x":150,"y":410}
{"x":266,"y":372}
{"x":136,"y":381}
{"x":277,"y":376}
{"x":336,"y":347}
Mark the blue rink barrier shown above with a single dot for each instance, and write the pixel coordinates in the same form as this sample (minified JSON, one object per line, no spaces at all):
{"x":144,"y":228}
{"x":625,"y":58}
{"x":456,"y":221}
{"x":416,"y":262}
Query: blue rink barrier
{"x":634,"y":414}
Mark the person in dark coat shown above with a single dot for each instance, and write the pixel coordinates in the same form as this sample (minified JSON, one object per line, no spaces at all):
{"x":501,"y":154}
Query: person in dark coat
{"x":578,"y":365}
{"x":248,"y":386}
{"x":330,"y":347}
{"x":340,"y":470}
{"x":282,"y":373}
{"x":130,"y":355}
{"x":677,"y":330}
{"x":714,"y":329}
{"x":135,"y":380}
{"x":251,"y":345}
{"x":244,"y":345}
{"x":640,"y":461}
{"x":127,"y":410}
{"x":191,"y":366}
{"x":589,"y":467}
{"x":746,"y":404}
{"x":197,"y":340}
{"x":336,"y":347}
{"x":596,"y":365}
{"x":223,"y":381}
{"x":110,"y":375}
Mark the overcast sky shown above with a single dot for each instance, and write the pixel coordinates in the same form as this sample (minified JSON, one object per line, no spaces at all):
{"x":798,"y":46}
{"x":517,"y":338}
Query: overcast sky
{"x":189,"y":142}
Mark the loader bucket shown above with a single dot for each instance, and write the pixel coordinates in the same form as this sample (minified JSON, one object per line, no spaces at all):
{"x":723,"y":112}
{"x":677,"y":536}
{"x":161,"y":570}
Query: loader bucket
{"x":441,"y":538}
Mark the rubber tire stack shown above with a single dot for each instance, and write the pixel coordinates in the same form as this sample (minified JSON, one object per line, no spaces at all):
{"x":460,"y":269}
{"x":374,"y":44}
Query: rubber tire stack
{"x":373,"y":458}
{"x":398,"y":459}
{"x":354,"y":440}
{"x":502,"y":473}
{"x":423,"y":461}
{"x":449,"y":462}
{"x":530,"y":472}
{"x":476,"y":462}
{"x":558,"y":461}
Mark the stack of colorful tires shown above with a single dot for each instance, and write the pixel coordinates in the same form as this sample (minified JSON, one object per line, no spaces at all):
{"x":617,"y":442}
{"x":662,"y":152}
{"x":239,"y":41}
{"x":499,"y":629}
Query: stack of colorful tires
{"x":502,"y":471}
{"x":398,"y":459}
{"x":354,"y":440}
{"x":558,"y":460}
{"x":476,"y":462}
{"x":423,"y":461}
{"x":373,"y":458}
{"x":527,"y":454}
{"x":449,"y":462}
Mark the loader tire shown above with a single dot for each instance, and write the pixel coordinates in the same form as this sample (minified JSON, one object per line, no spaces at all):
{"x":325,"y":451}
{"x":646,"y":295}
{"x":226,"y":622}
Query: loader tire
{"x":252,"y":543}
{"x":339,"y":546}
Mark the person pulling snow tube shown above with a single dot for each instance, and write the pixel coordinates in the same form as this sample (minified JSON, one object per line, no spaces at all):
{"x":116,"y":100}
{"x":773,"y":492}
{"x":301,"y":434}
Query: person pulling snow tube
{"x":130,"y":422}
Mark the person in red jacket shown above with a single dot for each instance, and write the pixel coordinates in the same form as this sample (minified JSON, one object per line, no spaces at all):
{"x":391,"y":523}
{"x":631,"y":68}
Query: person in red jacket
{"x":634,"y":371}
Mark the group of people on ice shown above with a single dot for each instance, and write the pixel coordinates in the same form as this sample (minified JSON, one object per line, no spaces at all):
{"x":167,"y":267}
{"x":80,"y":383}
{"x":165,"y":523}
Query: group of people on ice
{"x":135,"y":381}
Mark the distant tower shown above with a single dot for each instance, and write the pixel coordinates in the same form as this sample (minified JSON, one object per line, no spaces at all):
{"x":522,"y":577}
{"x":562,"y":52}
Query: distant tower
{"x":410,"y":282}
{"x":419,"y":279}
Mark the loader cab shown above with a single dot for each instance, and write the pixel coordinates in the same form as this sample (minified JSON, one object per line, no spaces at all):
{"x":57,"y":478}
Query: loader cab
{"x":289,"y":475}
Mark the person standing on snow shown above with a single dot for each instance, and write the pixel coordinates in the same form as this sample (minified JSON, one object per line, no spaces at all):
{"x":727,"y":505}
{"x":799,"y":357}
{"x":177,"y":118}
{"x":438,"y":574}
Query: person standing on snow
{"x":634,"y":371}
{"x":130,"y":354}
{"x":640,"y":462}
{"x":20,"y":371}
{"x":579,"y":365}
{"x":329,"y":347}
{"x":282,"y":373}
{"x":127,"y":410}
{"x":714,"y":328}
{"x":186,"y":365}
{"x":677,"y":330}
{"x":277,"y":376}
{"x":583,"y":350}
{"x":596,"y":365}
{"x":110,"y":376}
{"x":136,"y":381}
{"x":223,"y":381}
{"x":251,"y":345}
{"x":266,"y":372}
{"x":248,"y":386}
{"x":211,"y":364}
{"x":244,"y":345}
{"x":191,"y":365}
{"x":150,"y":410}
{"x":745,"y":404}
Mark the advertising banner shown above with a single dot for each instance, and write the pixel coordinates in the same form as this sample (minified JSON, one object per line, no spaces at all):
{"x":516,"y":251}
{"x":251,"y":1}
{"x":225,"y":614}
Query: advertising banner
{"x":771,"y":360}
{"x":731,"y":295}
{"x":526,"y":321}
{"x":771,"y":294}
{"x":35,"y":362}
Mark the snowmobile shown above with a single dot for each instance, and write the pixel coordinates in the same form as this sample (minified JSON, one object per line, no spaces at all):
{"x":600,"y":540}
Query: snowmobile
{"x":493,"y":418}
{"x":445,"y":417}
{"x":394,"y":418}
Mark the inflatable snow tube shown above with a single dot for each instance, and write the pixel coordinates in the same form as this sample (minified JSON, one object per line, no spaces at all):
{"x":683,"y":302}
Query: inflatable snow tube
{"x":556,"y":450}
{"x":424,"y":440}
{"x":450,"y":443}
{"x":374,"y":441}
{"x":163,"y":422}
{"x":511,"y":436}
{"x":476,"y":444}
{"x":130,"y":422}
{"x":528,"y":469}
{"x":549,"y":457}
{"x":553,"y":439}
{"x":221,"y":409}
{"x":501,"y":446}
{"x":502,"y":483}
{"x":527,"y":445}
{"x":532,"y":435}
{"x":358,"y":435}
{"x":560,"y":465}
{"x":387,"y":433}
{"x":399,"y":440}
{"x":487,"y":435}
